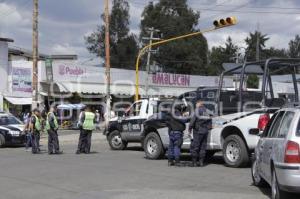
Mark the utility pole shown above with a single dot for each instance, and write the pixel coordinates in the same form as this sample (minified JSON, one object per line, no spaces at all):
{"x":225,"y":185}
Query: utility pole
{"x":150,"y":39}
{"x":257,"y":43}
{"x":107,"y":61}
{"x":35,"y":55}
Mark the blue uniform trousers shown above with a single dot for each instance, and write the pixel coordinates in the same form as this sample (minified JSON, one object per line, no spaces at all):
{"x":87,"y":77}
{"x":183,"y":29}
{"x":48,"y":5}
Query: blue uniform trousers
{"x":176,"y":140}
{"x":198,"y":146}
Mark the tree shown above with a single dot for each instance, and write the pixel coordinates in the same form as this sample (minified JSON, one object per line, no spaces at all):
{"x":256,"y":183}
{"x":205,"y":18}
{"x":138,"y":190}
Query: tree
{"x":174,"y":18}
{"x":220,"y":55}
{"x":294,"y":47}
{"x":251,"y":42}
{"x":123,"y":44}
{"x":274,"y":52}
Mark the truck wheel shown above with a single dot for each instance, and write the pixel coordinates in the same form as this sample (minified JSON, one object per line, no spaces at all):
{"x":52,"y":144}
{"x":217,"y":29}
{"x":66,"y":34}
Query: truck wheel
{"x":153,"y":147}
{"x":235,"y":152}
{"x":2,"y":141}
{"x":115,"y":141}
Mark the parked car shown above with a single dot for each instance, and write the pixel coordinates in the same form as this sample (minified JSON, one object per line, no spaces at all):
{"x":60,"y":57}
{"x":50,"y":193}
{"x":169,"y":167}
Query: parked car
{"x":277,"y":156}
{"x":11,"y":130}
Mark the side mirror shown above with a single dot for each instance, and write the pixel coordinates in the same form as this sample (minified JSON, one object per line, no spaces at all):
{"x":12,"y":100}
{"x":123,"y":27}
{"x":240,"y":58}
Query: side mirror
{"x":255,"y":131}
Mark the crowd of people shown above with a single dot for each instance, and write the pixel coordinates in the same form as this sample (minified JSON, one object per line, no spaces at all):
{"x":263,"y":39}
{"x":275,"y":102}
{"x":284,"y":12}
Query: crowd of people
{"x":198,"y":129}
{"x":38,"y":121}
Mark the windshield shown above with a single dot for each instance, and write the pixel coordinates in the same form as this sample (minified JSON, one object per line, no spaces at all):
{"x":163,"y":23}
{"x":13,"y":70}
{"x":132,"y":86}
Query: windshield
{"x":9,"y":120}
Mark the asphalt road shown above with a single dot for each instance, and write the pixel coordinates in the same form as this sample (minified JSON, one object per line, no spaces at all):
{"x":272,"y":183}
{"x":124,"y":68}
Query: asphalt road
{"x":116,"y":174}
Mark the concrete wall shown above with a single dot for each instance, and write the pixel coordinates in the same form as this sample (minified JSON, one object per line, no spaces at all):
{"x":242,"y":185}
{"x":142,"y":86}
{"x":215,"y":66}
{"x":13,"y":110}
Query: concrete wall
{"x":3,"y":66}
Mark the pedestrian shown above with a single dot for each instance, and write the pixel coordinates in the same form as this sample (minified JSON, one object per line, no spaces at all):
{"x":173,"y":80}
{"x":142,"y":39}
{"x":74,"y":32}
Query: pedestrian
{"x":199,"y":127}
{"x":176,"y":124}
{"x":79,"y":124}
{"x":28,"y":132}
{"x":87,"y":122}
{"x":36,"y":127}
{"x":52,"y":128}
{"x":98,"y":118}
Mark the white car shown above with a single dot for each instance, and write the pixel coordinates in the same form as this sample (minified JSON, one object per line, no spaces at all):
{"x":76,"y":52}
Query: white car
{"x":277,"y":156}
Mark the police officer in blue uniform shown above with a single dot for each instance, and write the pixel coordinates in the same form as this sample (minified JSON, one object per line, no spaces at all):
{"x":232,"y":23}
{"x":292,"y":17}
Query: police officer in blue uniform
{"x":200,"y":125}
{"x":176,"y":124}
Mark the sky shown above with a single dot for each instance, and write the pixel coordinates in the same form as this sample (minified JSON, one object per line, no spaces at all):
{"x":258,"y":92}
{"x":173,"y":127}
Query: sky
{"x":64,"y":23}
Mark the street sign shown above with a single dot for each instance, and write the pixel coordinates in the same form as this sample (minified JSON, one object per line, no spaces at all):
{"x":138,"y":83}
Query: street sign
{"x":49,"y":70}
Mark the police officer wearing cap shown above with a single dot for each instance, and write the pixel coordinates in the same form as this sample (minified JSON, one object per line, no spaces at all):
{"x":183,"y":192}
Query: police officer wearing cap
{"x":200,"y":125}
{"x":36,"y":128}
{"x":87,"y":120}
{"x":51,"y":128}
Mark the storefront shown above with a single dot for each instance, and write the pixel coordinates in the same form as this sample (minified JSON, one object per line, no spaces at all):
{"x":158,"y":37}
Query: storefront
{"x":88,"y":82}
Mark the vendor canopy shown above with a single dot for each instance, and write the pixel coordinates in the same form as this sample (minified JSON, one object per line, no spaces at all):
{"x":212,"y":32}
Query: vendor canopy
{"x":19,"y":100}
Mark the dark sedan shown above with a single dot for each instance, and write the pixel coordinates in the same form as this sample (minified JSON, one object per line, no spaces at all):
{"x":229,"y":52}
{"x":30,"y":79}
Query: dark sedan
{"x":11,"y":130}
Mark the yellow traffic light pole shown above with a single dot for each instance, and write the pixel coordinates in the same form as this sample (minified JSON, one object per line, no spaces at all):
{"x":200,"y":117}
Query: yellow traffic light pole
{"x":230,"y":21}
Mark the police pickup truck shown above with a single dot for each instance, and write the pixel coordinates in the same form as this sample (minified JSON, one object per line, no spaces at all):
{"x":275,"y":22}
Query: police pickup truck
{"x":128,"y":127}
{"x":237,"y":111}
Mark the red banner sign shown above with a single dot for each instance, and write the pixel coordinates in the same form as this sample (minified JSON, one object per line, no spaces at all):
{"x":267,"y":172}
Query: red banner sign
{"x":169,"y":79}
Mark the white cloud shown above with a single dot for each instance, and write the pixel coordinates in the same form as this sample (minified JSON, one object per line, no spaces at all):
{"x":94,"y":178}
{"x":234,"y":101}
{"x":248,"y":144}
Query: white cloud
{"x":62,"y":49}
{"x":62,"y":28}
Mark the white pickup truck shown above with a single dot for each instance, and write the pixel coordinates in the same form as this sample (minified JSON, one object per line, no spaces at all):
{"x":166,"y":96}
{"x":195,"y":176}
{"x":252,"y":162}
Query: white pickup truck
{"x":238,"y":112}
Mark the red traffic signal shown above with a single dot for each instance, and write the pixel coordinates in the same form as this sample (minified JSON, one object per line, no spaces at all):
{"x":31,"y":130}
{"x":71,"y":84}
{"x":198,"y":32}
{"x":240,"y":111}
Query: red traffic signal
{"x":229,"y":21}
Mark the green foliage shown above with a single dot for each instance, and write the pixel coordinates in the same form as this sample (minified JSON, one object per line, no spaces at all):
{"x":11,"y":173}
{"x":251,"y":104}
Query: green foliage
{"x":252,"y":81}
{"x":251,"y":42}
{"x":123,"y":44}
{"x":220,"y":55}
{"x":294,"y":47}
{"x":273,"y":52}
{"x":175,"y":18}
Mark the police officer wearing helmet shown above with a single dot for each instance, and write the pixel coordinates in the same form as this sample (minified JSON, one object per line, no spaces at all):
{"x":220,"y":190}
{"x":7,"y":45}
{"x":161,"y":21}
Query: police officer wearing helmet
{"x":51,"y":128}
{"x":87,"y":120}
{"x":200,"y":125}
{"x":36,"y":128}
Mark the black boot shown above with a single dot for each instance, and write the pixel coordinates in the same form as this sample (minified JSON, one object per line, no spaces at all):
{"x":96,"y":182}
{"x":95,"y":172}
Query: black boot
{"x":171,"y":163}
{"x":177,"y":163}
{"x":200,"y":163}
{"x":194,"y":162}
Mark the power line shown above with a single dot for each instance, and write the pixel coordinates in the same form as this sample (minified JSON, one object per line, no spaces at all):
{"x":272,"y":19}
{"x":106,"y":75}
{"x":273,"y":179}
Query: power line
{"x":223,"y":4}
{"x":213,"y":9}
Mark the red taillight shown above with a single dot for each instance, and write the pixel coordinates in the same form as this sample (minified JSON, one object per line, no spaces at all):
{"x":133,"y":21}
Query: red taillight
{"x":263,"y":121}
{"x":292,"y":153}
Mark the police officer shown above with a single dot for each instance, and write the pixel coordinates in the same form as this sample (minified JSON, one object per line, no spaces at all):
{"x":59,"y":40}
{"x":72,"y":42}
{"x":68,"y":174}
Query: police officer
{"x":51,"y":128}
{"x":88,"y":125}
{"x":176,"y":125}
{"x":36,"y":127}
{"x":200,"y":124}
{"x":79,"y":124}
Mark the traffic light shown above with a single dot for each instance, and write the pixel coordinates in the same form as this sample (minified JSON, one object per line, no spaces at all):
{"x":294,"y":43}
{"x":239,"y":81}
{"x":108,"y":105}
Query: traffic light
{"x":229,"y":21}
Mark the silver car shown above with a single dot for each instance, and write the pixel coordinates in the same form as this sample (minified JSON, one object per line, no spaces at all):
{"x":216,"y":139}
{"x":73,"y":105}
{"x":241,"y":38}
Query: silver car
{"x":276,"y":161}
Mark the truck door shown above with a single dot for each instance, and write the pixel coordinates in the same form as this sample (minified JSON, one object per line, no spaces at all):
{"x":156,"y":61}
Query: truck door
{"x":132,"y":123}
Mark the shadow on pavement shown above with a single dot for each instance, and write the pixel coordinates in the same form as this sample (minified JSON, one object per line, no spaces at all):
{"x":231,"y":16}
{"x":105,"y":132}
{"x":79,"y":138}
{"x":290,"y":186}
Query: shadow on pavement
{"x":134,"y":148}
{"x":267,"y":192}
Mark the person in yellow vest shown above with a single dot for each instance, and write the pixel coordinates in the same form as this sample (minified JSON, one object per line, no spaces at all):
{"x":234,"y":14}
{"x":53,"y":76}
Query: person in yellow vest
{"x":35,"y":127}
{"x":52,"y":128}
{"x":87,"y":120}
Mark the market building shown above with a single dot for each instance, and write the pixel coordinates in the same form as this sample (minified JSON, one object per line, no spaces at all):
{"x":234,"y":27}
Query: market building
{"x":65,"y":80}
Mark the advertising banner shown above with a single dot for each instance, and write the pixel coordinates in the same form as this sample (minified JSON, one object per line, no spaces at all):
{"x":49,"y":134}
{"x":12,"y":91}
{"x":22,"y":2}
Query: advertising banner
{"x":21,"y":80}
